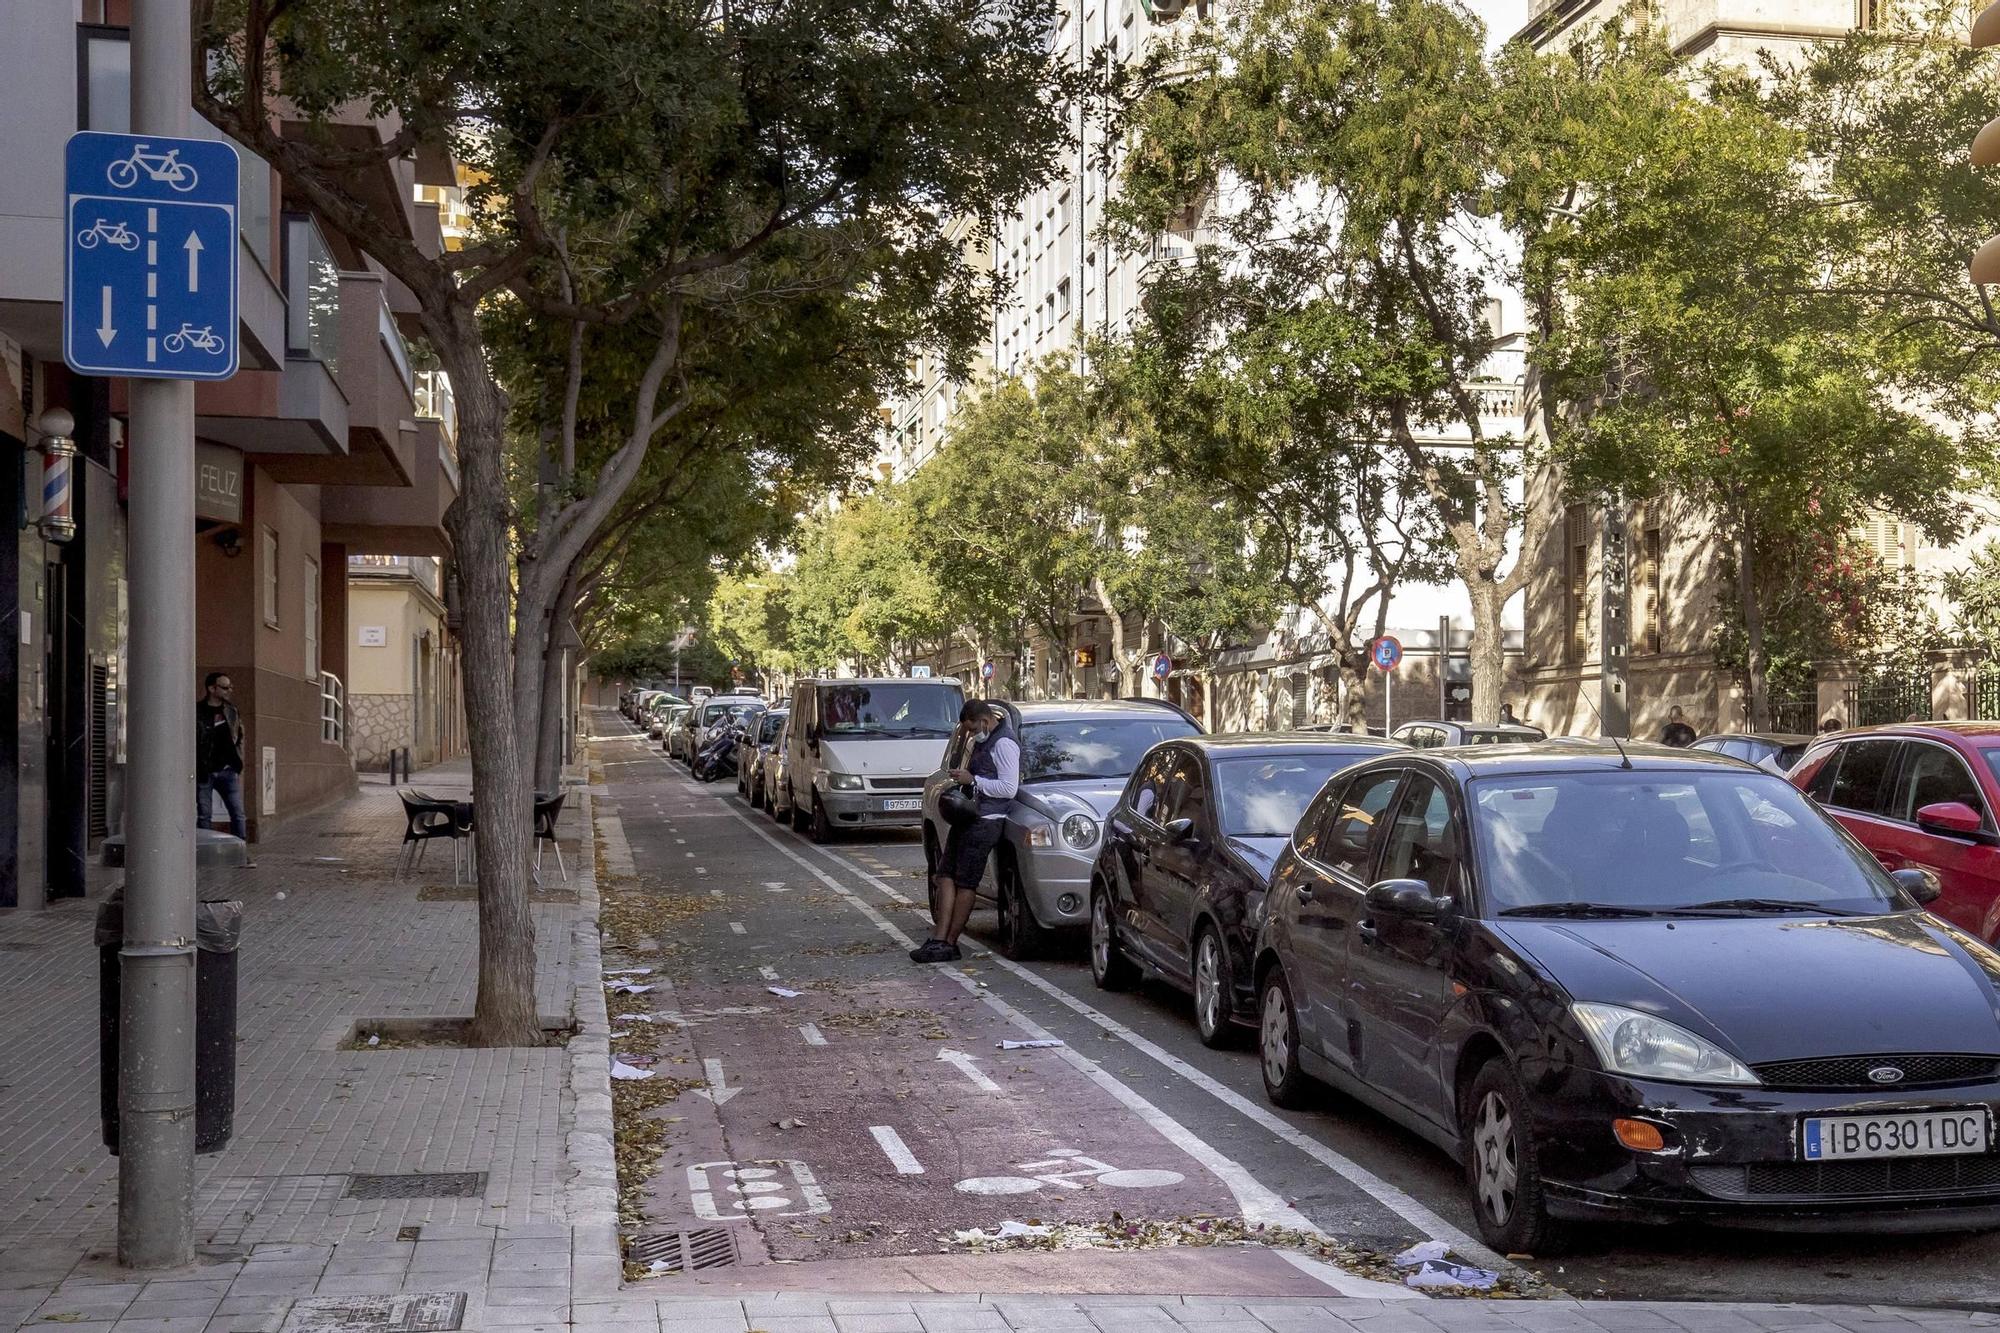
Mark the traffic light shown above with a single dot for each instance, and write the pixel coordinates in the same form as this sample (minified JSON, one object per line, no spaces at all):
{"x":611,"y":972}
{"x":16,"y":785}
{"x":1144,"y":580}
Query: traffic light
{"x":1986,"y":147}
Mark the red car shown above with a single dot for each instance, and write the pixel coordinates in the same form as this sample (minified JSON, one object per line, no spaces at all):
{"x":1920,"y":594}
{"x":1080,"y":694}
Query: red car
{"x":1923,"y":797}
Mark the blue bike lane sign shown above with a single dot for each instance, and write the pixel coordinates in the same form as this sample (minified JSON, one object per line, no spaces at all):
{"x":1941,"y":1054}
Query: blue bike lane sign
{"x":150,"y":273}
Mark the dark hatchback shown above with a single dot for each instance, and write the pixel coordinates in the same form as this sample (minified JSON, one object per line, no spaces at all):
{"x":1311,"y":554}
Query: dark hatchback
{"x":1178,"y":889}
{"x":1646,"y":988}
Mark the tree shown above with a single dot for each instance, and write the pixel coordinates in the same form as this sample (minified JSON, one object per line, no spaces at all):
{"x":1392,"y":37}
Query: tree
{"x":861,"y":592}
{"x":1703,"y":354}
{"x":690,"y":141}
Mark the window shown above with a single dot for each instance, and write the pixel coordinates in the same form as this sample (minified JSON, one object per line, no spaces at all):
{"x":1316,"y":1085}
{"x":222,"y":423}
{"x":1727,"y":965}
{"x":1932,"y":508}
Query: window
{"x":1149,"y":784}
{"x":1655,"y":610}
{"x":1863,"y":777}
{"x":1063,"y":211}
{"x":1354,"y":825}
{"x":1264,"y":798}
{"x":1185,"y":796}
{"x":1576,"y":553}
{"x":1422,"y":842}
{"x":312,"y":618}
{"x":312,"y":294}
{"x":269,"y":555}
{"x":1091,"y":748}
{"x":1932,"y":774}
{"x":1062,"y":299}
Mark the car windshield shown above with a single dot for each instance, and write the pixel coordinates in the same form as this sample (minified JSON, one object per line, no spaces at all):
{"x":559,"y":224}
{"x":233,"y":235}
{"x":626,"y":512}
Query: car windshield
{"x":890,"y":709}
{"x":1488,"y":736}
{"x":1264,"y":797}
{"x":1088,"y":747}
{"x":1625,"y":841}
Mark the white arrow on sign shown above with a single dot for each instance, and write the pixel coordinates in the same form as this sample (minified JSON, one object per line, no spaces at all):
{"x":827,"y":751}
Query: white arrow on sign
{"x":715,"y":1091}
{"x":967,"y":1067}
{"x":193,"y":248}
{"x":105,"y":333}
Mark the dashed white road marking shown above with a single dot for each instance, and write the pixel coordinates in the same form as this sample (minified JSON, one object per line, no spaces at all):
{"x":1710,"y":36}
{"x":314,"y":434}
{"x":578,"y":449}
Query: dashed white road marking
{"x":768,"y":972}
{"x":896,"y":1151}
{"x":737,"y":928}
{"x":811,"y":1032}
{"x":971,"y":1070}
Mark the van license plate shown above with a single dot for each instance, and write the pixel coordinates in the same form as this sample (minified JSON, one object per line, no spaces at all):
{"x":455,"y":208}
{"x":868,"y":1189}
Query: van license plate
{"x":902,"y":804}
{"x":1912,"y":1134}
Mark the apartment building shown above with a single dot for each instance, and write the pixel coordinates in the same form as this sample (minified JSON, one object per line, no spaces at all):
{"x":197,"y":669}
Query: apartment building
{"x":314,"y":451}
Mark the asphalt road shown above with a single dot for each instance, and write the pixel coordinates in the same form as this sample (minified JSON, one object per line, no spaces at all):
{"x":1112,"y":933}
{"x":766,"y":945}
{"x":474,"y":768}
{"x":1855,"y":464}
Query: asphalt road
{"x":874,"y":1111}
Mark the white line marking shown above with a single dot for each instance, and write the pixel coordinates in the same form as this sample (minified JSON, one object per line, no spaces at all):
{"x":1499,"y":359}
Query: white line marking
{"x":896,"y":1151}
{"x":737,"y":926}
{"x":811,"y":1032}
{"x":969,"y":1069}
{"x":1346,"y":1283}
{"x":716,"y":1091}
{"x":152,"y":221}
{"x":768,"y":973}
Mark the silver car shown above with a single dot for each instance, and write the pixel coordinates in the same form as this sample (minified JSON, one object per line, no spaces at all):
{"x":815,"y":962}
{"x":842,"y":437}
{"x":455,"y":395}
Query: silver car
{"x":775,"y":777}
{"x":1075,"y":759}
{"x":756,"y":752}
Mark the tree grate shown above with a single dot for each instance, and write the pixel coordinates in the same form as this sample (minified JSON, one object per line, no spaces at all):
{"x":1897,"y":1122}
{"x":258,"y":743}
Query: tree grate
{"x":684,"y":1251}
{"x":432,"y":1185}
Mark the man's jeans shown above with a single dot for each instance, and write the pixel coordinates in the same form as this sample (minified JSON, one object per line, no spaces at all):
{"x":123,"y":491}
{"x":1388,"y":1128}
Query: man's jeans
{"x":227,"y":783}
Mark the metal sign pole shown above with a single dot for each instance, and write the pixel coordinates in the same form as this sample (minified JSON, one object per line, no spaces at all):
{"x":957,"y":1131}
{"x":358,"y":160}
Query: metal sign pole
{"x":156,"y":1124}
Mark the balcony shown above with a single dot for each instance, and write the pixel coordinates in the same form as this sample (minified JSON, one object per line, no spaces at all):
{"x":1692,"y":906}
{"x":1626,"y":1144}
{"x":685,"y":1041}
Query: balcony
{"x":397,"y":520}
{"x":425,"y":571}
{"x":374,"y":373}
{"x":389,"y":187}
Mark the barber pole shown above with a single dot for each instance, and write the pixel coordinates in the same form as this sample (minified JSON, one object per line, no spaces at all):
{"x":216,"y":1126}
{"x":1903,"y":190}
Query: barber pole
{"x":56,"y":522}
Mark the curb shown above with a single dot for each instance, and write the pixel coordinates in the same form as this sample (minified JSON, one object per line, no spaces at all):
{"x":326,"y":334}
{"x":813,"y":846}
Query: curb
{"x":591,"y":1191}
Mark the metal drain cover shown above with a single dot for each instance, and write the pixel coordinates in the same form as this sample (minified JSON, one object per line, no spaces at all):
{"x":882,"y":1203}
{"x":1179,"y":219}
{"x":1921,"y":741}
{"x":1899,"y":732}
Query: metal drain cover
{"x":429,"y":1312}
{"x":684,"y":1251}
{"x":435,"y":1185}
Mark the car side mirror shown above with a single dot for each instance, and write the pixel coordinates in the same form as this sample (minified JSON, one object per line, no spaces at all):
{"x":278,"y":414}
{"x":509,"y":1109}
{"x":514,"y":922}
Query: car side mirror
{"x":1950,"y":817}
{"x":1404,"y":897}
{"x":1921,"y":885}
{"x":1179,"y":830}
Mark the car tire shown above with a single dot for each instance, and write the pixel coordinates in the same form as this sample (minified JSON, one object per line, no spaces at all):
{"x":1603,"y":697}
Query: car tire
{"x":799,"y":820}
{"x":1285,"y":1080}
{"x":1109,"y":967}
{"x":1214,"y":989}
{"x":819,"y":826}
{"x":1021,"y":936}
{"x":756,"y":794}
{"x":1502,"y":1166}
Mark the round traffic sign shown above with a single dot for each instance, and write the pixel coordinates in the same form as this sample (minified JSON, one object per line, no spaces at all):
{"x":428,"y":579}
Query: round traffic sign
{"x":986,"y":671}
{"x":1387,"y":652}
{"x":1162,"y":665}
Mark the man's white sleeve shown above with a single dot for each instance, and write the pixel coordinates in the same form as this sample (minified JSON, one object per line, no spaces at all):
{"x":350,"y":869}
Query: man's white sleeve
{"x":1007,"y":766}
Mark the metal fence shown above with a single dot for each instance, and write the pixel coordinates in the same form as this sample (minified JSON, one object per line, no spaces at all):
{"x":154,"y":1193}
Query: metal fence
{"x":1795,"y":713}
{"x":332,"y":709}
{"x":1891,"y":696}
{"x":1983,"y":693}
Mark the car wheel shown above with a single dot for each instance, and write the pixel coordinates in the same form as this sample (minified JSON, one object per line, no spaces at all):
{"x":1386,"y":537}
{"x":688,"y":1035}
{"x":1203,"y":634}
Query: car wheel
{"x":1278,"y":1042}
{"x":756,"y":794}
{"x":821,"y":826}
{"x":799,"y":820}
{"x":1021,"y":936}
{"x":1109,"y":967}
{"x":1502,"y":1167}
{"x":1214,"y":990}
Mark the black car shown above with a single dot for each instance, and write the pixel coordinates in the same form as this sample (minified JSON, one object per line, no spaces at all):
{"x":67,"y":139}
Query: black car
{"x":1644,"y":986}
{"x":1178,"y":888}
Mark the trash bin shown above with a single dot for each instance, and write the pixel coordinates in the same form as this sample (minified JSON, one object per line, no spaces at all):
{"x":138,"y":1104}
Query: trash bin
{"x":218,"y":928}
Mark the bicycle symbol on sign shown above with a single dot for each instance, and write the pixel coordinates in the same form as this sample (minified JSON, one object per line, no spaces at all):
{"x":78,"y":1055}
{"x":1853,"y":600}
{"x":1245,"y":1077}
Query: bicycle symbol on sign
{"x":110,"y":233}
{"x":166,"y":166}
{"x":187,"y":335}
{"x":1078,"y":1171}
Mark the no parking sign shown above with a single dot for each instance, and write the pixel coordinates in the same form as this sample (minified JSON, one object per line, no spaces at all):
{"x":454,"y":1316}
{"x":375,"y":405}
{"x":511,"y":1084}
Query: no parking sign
{"x":1386,"y":652}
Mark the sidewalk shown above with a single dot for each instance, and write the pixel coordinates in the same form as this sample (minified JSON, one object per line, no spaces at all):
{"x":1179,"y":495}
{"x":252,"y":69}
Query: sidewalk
{"x":311,"y":1220}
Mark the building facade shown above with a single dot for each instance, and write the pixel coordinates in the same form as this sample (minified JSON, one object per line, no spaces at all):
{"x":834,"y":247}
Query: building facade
{"x":314,"y":451}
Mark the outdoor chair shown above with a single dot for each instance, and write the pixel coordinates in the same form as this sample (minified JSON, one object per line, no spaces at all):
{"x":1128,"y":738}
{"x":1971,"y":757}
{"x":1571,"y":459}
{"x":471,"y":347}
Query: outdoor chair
{"x":425,"y":819}
{"x":546,"y":814}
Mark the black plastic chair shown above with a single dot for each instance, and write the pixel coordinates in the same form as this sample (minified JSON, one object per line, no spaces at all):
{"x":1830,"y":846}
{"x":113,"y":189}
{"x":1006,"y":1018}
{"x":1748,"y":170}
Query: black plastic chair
{"x":423,"y":821}
{"x":546,"y":814}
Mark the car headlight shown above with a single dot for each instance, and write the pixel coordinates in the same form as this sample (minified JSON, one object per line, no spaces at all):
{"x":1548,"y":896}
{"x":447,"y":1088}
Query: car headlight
{"x":1639,"y":1045}
{"x":1041,"y":835}
{"x":843,"y":781}
{"x":1079,"y":831}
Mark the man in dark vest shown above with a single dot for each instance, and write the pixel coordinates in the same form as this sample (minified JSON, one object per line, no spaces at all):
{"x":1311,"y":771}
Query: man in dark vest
{"x":993,"y":771}
{"x":218,"y":752}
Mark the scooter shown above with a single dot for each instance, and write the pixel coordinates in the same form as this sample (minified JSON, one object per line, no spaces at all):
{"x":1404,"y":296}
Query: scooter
{"x":717,"y":757}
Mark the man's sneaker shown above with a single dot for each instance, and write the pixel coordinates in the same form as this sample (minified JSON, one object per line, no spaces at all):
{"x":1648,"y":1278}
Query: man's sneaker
{"x":932,"y":951}
{"x":950,"y":954}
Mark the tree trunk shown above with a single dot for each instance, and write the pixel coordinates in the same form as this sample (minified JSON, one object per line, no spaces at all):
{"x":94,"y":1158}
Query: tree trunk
{"x":1354,"y":683}
{"x":504,"y":1011}
{"x":1755,"y":669}
{"x":1487,"y":653}
{"x":552,"y":705}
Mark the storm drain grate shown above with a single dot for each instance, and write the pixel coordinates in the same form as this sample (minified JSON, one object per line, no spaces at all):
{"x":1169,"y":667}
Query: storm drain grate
{"x":684,"y":1251}
{"x":428,"y":1312}
{"x":434,"y":1185}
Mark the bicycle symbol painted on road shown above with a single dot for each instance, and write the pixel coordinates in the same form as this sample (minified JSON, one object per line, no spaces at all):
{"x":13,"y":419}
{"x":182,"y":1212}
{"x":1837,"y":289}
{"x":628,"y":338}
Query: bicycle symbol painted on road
{"x":1077,"y":1171}
{"x":108,"y":233}
{"x":731,"y":1191}
{"x":167,"y":166}
{"x":187,"y":335}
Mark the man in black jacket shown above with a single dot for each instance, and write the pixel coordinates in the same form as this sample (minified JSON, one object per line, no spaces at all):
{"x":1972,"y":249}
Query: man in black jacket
{"x":218,"y":753}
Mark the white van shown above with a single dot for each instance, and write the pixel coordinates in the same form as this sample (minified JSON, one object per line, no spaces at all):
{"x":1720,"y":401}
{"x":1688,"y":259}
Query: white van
{"x":860,"y":750}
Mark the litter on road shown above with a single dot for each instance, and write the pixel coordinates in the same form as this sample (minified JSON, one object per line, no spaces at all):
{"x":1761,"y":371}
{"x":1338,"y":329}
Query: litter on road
{"x":621,"y":1070}
{"x":627,"y":988}
{"x":1441,"y":1273}
{"x":1007,"y":1230}
{"x":630,"y":972}
{"x":784,"y":994}
{"x":1027,"y":1045}
{"x":1423,"y":1252}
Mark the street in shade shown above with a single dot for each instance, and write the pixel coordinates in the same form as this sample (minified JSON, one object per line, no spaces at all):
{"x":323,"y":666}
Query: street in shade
{"x":151,"y":259}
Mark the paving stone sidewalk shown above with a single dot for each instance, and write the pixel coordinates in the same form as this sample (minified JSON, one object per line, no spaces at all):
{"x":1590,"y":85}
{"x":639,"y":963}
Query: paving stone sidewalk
{"x":332,"y":939}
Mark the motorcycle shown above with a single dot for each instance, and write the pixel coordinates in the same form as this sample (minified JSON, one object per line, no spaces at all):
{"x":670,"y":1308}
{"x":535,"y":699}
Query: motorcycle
{"x":718,"y":756}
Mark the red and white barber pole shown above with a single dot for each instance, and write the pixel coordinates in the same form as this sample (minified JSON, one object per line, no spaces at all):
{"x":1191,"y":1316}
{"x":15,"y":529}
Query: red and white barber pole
{"x":58,"y":520}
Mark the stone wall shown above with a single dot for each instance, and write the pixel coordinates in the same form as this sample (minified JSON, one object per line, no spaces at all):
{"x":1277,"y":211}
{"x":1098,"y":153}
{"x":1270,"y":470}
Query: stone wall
{"x":377,"y":724}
